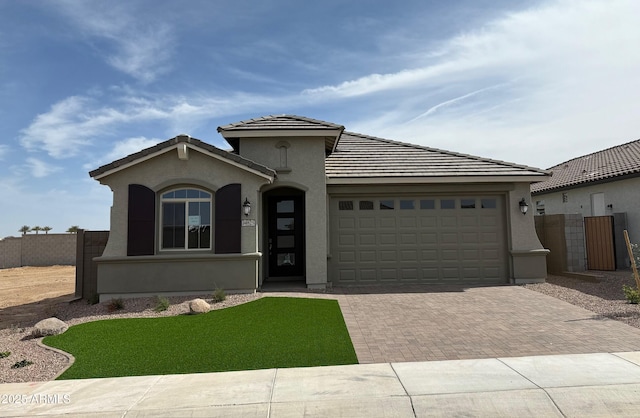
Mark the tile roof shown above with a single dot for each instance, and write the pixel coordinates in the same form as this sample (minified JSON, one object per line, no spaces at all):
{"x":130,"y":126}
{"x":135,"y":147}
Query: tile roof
{"x":364,"y":156}
{"x":174,"y":141}
{"x":279,"y":122}
{"x":605,"y":165}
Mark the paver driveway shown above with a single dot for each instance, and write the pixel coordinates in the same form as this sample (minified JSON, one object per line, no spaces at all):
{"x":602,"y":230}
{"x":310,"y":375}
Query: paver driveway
{"x":448,"y":323}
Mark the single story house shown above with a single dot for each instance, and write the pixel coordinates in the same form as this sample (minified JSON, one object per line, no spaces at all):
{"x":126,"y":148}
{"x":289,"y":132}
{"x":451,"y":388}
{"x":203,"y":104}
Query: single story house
{"x":299,"y":199}
{"x":603,"y":183}
{"x":597,"y":184}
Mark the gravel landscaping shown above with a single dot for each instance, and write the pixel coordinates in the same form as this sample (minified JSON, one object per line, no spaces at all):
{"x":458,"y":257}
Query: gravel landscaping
{"x":603,"y":296}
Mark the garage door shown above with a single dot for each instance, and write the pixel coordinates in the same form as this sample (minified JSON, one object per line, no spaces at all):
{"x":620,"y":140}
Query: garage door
{"x":427,"y":239}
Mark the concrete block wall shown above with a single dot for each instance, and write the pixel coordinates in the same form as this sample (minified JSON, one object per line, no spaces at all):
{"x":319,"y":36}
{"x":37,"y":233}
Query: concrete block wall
{"x":574,"y":239}
{"x":38,"y":250}
{"x":10,"y":253}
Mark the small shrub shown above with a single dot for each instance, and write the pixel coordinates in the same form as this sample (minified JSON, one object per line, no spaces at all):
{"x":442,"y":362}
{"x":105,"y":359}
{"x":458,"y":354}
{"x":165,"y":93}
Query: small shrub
{"x":162,"y":304}
{"x":4,"y":354}
{"x":115,"y":305}
{"x":21,"y":363}
{"x":632,"y":295}
{"x":218,"y":296}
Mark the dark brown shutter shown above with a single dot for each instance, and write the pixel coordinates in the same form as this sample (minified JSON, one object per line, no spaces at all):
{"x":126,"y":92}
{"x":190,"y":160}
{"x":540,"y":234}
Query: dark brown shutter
{"x":228,"y":219}
{"x":141,"y":221}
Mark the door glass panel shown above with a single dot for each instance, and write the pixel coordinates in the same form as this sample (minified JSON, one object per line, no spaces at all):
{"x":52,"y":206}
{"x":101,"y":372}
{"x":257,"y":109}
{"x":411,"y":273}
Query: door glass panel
{"x":406,"y":204}
{"x":285,"y":224}
{"x":284,"y":206}
{"x":447,"y":204}
{"x":287,"y":259}
{"x":427,"y":204}
{"x":468,"y":203}
{"x":286,"y":241}
{"x":386,"y":204}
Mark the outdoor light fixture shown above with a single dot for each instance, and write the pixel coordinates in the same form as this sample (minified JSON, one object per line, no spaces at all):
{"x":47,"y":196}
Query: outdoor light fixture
{"x":523,"y":206}
{"x":246,"y":207}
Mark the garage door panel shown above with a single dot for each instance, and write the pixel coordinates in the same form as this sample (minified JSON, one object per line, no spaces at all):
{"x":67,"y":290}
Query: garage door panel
{"x":429,"y":238}
{"x":367,"y":239}
{"x":449,"y":221}
{"x":407,"y":222}
{"x":468,"y":221}
{"x":347,"y":276}
{"x":347,"y":256}
{"x":409,"y":255}
{"x":387,"y":222}
{"x":368,"y":256}
{"x":389,"y":274}
{"x":435,"y":240}
{"x":408,"y":239}
{"x":347,"y":239}
{"x":368,"y":222}
{"x":428,"y":221}
{"x":386,"y":239}
{"x":368,"y":275}
{"x":386,"y":255}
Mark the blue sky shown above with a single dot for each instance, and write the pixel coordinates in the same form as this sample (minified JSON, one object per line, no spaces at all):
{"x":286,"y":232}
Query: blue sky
{"x":83,"y":83}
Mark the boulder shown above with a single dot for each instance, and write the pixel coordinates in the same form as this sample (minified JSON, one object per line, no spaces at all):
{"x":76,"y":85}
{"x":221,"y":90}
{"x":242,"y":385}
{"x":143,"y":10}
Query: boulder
{"x":49,"y":326}
{"x":198,"y":306}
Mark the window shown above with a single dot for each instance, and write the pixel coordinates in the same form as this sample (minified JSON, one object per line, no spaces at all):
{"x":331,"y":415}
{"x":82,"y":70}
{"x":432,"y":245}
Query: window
{"x":489,"y":203}
{"x":468,"y":203}
{"x":447,"y":204}
{"x":539,"y":207}
{"x":186,"y":220}
{"x":427,"y":204}
{"x":386,"y":204}
{"x":345,"y":205}
{"x":407,"y":204}
{"x":366,"y":205}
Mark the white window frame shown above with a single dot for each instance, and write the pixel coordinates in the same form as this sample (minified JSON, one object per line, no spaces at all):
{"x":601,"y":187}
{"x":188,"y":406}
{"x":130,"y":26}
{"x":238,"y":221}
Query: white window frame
{"x":186,"y":201}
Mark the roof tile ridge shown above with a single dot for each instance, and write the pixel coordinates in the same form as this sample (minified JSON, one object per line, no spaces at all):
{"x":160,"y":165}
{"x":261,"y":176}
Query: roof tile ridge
{"x":602,"y":151}
{"x":457,"y":154}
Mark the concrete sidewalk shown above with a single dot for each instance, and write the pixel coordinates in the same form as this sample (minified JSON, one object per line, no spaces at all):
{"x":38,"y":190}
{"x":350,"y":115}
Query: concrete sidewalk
{"x":580,"y":385}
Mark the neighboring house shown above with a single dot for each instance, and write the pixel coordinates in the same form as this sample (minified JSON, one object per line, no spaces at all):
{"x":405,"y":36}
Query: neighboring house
{"x":597,"y":184}
{"x":300,"y":199}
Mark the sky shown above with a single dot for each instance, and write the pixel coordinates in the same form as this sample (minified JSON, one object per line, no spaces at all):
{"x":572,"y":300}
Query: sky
{"x":83,"y":83}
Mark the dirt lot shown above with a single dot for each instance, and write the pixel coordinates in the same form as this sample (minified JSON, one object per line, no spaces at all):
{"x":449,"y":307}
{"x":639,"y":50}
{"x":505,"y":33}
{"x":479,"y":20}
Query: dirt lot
{"x":27,"y":294}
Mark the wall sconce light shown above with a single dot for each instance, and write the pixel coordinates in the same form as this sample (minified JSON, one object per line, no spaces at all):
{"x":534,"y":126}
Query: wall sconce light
{"x":523,"y":206}
{"x":246,"y":207}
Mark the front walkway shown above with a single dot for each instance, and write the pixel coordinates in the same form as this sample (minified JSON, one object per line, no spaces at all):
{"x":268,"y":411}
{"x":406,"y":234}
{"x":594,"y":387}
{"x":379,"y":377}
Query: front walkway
{"x":425,"y":323}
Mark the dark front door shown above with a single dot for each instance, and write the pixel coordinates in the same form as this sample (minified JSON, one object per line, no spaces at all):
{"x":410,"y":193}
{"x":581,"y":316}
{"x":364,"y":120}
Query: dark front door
{"x":286,"y":236}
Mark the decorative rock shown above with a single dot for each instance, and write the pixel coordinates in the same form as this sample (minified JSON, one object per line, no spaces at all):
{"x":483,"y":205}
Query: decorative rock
{"x":198,"y":306}
{"x":49,"y":326}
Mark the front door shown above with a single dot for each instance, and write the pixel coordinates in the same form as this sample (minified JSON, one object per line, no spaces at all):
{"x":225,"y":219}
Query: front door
{"x":286,"y":237}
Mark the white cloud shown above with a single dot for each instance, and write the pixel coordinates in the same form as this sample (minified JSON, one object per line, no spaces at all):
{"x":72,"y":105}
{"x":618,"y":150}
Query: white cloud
{"x":140,"y":47}
{"x":39,"y":168}
{"x":4,"y":149}
{"x":561,"y":77}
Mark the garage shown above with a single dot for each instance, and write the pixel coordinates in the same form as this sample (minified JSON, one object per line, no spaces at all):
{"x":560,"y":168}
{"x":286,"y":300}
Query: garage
{"x":418,"y":239}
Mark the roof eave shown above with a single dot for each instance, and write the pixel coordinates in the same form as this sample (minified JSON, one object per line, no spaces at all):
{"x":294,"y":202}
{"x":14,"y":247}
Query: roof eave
{"x":434,"y":179}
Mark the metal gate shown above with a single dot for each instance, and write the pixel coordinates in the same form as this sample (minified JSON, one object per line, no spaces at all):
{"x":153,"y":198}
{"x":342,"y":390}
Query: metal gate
{"x":598,"y":232}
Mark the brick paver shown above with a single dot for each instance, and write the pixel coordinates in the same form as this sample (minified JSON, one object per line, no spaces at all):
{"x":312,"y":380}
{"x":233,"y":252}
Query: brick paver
{"x":437,"y":323}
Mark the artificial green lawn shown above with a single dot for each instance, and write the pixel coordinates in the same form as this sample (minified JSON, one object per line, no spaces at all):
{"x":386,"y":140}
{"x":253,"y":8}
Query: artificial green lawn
{"x":267,"y":333}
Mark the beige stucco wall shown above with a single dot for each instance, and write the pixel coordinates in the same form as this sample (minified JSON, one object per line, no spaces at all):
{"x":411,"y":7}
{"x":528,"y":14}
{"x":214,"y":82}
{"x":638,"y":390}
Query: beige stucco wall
{"x":167,"y":171}
{"x":304,"y":170}
{"x":184,"y":272}
{"x":623,"y":195}
{"x":527,"y":254}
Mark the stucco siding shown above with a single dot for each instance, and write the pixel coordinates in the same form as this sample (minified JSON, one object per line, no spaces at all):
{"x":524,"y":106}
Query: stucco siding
{"x":167,"y":171}
{"x":623,"y":195}
{"x":304,"y":170}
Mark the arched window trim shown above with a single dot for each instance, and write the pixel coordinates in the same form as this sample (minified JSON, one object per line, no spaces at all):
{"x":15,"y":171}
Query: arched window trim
{"x":191,"y":224}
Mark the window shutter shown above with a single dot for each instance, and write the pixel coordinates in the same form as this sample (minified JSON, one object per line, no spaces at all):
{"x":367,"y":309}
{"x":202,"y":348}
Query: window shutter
{"x":228,"y":219}
{"x":141,"y":220}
